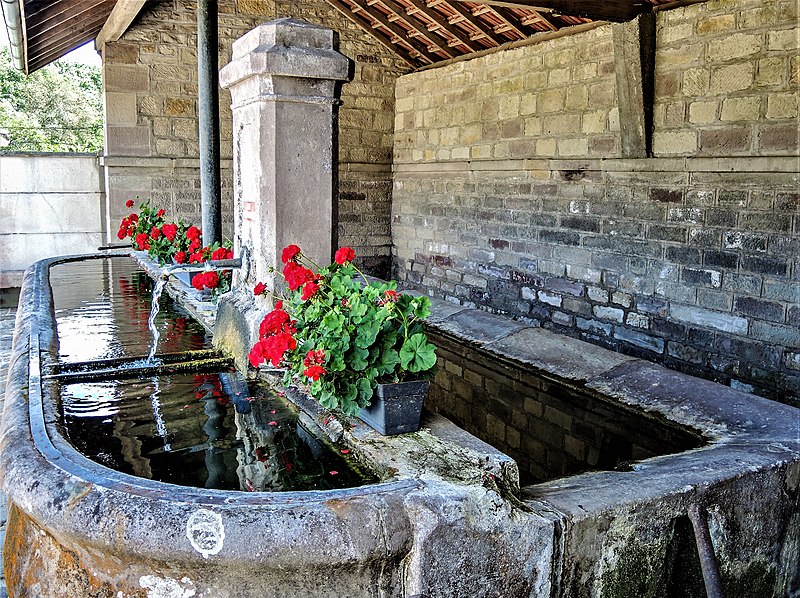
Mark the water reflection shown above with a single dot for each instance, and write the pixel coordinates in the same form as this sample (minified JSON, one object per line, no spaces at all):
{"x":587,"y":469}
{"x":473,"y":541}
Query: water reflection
{"x":204,"y":430}
{"x":102,"y":307}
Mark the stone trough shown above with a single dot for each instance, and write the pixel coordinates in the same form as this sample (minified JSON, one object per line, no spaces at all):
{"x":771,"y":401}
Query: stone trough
{"x":447,"y":518}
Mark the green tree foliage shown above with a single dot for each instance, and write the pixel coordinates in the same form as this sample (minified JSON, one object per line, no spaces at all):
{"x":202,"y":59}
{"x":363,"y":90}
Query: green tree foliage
{"x":56,"y":109}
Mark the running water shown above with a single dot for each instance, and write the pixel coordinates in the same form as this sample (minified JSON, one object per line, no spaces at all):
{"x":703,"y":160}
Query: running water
{"x":151,"y":322}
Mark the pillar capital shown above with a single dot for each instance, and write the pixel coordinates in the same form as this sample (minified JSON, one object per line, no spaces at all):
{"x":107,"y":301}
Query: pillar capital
{"x":285,"y":48}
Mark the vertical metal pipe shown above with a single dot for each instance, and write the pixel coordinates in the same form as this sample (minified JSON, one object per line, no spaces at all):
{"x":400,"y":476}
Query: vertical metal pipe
{"x":705,"y":549}
{"x":208,"y":120}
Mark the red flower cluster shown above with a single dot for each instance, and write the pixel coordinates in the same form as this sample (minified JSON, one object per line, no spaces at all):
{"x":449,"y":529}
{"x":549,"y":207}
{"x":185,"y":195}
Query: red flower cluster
{"x":344,"y":254}
{"x":389,"y":296}
{"x":313,"y":361}
{"x":275,"y":337}
{"x":297,"y":275}
{"x":169,"y":231}
{"x":128,"y":225}
{"x":260,"y":289}
{"x":142,"y":241}
{"x":289,"y":253}
{"x":222,"y":253}
{"x":206,"y":280}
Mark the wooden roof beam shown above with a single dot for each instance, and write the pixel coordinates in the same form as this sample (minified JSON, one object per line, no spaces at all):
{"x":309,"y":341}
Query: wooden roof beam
{"x":508,"y":20}
{"x":435,"y":23}
{"x":412,"y":22}
{"x":402,"y":34}
{"x":365,"y":24}
{"x":121,"y":17}
{"x":605,"y":10}
{"x":539,"y":17}
{"x":454,"y":6}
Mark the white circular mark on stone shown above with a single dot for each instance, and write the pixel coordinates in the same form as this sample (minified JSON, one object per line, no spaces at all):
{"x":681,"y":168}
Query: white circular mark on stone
{"x":205,"y":531}
{"x":165,"y":587}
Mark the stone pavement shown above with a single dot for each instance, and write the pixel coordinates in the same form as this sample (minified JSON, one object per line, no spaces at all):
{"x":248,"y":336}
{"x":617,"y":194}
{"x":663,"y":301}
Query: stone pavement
{"x":7,"y":316}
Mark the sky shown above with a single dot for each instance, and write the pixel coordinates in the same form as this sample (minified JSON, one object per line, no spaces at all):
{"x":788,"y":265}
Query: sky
{"x":86,"y":54}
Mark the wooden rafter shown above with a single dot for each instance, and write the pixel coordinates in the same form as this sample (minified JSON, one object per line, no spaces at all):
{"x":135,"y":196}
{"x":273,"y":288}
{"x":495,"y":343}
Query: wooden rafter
{"x":404,"y":51}
{"x":379,"y":18}
{"x":440,"y":21}
{"x":412,"y":22}
{"x":467,"y":15}
{"x":607,"y":10}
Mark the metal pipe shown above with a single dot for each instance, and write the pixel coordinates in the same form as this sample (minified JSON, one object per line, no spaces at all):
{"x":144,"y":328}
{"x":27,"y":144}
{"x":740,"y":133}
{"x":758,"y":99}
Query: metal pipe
{"x":12,"y":15}
{"x":210,"y":265}
{"x":705,"y":549}
{"x":208,"y":120}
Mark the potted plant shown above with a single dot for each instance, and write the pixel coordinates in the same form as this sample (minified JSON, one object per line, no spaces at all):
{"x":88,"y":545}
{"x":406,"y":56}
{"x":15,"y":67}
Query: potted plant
{"x":170,"y":242}
{"x":358,"y":346}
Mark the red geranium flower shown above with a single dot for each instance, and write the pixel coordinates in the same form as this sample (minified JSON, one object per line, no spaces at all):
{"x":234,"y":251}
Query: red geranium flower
{"x":289,"y":253}
{"x":260,"y":289}
{"x":170,"y":230}
{"x":204,"y":280}
{"x":134,"y":217}
{"x":314,"y":358}
{"x":344,"y":254}
{"x":309,"y":290}
{"x":180,"y":257}
{"x":129,"y":203}
{"x":160,"y":214}
{"x":274,"y":322}
{"x":296,"y":275}
{"x":197,"y":258}
{"x":222,"y":254}
{"x":142,"y":241}
{"x":155,"y":232}
{"x":314,"y":372}
{"x":192,"y":232}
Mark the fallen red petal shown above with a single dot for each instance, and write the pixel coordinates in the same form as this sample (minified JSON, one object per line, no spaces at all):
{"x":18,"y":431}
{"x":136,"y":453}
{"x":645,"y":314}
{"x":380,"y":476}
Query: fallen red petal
{"x":334,"y":472}
{"x":273,"y":423}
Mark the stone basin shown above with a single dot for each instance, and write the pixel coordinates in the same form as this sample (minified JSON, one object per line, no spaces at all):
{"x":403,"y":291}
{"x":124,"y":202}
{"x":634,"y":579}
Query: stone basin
{"x":448,"y":517}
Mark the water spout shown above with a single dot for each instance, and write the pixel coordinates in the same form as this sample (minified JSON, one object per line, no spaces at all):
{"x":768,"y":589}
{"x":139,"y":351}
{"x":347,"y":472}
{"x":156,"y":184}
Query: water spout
{"x":215,"y":265}
{"x":151,"y":321}
{"x":241,"y":262}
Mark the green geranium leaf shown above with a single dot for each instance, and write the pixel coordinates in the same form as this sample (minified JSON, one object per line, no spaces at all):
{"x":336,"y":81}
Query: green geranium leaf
{"x":358,"y":359}
{"x":417,"y":354}
{"x":333,"y":321}
{"x":422,"y":307}
{"x":388,"y":362}
{"x":367,"y":333}
{"x":364,"y":392}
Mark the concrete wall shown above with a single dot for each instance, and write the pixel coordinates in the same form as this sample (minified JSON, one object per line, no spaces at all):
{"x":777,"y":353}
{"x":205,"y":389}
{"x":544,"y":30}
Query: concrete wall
{"x":150,"y":78}
{"x":510,"y":193}
{"x":50,"y":205}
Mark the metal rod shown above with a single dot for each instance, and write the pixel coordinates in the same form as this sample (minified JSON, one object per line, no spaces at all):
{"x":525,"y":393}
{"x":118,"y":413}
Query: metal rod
{"x":208,"y":120}
{"x":705,"y":549}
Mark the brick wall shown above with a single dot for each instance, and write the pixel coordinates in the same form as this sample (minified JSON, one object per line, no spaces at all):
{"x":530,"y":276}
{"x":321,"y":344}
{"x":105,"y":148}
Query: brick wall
{"x":150,"y":78}
{"x":502,"y":201}
{"x":550,"y":429}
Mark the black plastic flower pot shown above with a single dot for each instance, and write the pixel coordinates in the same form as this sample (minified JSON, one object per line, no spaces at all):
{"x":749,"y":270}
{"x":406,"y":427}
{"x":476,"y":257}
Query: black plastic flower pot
{"x":396,"y":408}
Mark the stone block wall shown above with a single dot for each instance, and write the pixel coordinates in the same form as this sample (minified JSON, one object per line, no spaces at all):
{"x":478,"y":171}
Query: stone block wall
{"x":150,"y":78}
{"x":516,"y":201}
{"x":550,"y":429}
{"x":50,"y":205}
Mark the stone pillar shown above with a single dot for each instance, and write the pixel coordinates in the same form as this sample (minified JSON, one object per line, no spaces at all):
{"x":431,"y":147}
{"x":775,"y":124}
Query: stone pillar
{"x":283,"y":80}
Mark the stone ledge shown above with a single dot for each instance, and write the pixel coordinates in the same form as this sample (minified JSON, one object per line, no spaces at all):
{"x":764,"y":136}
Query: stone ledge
{"x":768,"y":164}
{"x":155,"y":162}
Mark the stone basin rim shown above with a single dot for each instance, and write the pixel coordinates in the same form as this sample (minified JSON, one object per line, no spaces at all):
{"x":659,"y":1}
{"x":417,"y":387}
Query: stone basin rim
{"x":52,"y":482}
{"x":58,"y":451}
